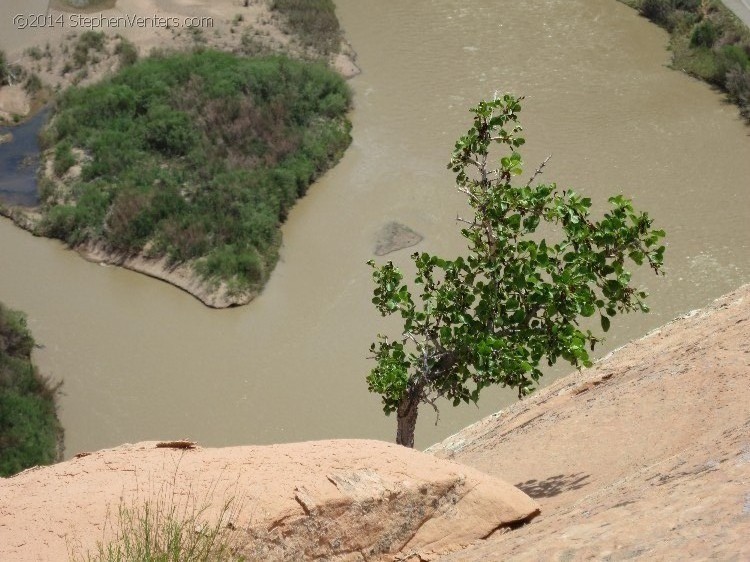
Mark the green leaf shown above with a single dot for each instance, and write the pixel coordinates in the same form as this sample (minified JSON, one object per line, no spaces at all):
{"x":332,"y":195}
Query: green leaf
{"x":492,"y":316}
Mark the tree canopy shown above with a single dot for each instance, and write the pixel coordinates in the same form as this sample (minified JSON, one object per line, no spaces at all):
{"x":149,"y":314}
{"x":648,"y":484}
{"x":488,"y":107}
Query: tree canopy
{"x":518,"y":297}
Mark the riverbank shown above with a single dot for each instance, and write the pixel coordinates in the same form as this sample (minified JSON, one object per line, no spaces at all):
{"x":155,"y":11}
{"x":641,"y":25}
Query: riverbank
{"x":30,"y":432}
{"x":183,"y":166}
{"x":708,"y":41}
{"x":234,"y":275}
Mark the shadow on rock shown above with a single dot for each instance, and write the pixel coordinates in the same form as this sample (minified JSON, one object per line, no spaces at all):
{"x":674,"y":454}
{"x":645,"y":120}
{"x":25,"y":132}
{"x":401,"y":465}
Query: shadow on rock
{"x":554,"y":485}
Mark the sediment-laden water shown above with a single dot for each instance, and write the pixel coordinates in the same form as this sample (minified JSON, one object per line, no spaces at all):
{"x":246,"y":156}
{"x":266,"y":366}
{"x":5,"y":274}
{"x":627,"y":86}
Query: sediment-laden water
{"x":142,"y":360}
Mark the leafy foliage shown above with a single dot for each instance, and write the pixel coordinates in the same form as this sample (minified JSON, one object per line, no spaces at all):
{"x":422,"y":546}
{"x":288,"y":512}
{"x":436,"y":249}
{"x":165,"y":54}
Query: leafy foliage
{"x":517,"y":298}
{"x":87,"y":42}
{"x":29,"y":430}
{"x":314,"y":21}
{"x":127,"y":52}
{"x":197,"y":156}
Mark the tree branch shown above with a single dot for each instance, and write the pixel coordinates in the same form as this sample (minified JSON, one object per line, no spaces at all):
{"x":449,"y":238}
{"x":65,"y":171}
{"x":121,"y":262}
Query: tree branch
{"x":538,"y":170}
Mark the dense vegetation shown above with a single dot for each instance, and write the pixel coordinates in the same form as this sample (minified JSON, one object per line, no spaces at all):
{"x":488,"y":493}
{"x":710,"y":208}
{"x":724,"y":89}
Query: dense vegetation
{"x":707,"y":41}
{"x":3,"y":69}
{"x":313,"y":21}
{"x":196,"y":157}
{"x":29,"y":430}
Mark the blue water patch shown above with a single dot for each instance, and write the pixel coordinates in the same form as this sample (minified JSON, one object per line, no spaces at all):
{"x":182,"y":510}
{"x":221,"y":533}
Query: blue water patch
{"x":19,"y":162}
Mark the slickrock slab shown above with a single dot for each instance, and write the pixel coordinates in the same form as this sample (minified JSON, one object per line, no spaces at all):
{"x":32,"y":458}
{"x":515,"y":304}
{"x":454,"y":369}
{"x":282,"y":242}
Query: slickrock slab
{"x":395,"y":236}
{"x":645,"y":456}
{"x":333,"y":500}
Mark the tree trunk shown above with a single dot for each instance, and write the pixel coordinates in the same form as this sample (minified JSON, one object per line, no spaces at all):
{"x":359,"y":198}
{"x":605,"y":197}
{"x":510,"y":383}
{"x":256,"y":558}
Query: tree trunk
{"x":407,"y":419}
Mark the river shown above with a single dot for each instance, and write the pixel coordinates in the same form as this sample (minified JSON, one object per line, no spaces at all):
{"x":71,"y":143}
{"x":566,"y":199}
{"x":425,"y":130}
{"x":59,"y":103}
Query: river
{"x":143,"y":360}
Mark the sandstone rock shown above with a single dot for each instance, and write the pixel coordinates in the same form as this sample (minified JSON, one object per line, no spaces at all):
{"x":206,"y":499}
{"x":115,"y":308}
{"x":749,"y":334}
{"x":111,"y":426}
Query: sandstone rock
{"x":333,"y":500}
{"x":645,"y":456}
{"x":395,"y":236}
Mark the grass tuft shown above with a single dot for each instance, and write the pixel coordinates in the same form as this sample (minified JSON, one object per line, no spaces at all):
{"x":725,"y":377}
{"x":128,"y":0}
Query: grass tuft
{"x":167,"y":529}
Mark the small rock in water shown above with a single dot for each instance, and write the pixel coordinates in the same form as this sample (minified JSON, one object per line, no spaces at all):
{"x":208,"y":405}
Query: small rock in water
{"x":395,"y":236}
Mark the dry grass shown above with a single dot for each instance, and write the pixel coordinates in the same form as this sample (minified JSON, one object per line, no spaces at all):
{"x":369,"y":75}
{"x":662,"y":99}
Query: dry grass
{"x":170,"y":525}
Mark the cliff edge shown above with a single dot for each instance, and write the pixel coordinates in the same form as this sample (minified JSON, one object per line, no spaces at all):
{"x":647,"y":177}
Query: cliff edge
{"x":645,"y":456}
{"x":343,"y":500}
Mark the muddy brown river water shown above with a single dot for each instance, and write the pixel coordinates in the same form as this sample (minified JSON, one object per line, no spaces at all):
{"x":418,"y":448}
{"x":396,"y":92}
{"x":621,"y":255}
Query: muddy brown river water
{"x":142,"y":360}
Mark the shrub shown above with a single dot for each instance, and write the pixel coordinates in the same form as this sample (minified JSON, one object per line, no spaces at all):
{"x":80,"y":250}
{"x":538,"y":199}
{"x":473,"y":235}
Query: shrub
{"x":169,"y":131}
{"x":89,"y":40}
{"x":127,"y":52}
{"x":4,"y":70}
{"x":34,"y":52}
{"x":64,"y":158}
{"x":30,"y":433}
{"x":33,"y":84}
{"x":168,"y":530}
{"x":704,"y":34}
{"x":738,"y":87}
{"x":658,"y":11}
{"x":314,"y":21}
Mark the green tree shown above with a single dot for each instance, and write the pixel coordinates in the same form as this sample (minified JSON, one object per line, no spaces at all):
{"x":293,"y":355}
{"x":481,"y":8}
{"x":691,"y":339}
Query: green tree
{"x":518,"y":297}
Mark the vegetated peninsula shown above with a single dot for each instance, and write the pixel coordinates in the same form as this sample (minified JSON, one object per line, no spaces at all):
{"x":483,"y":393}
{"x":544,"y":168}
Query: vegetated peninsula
{"x":183,"y":165}
{"x":30,"y":433}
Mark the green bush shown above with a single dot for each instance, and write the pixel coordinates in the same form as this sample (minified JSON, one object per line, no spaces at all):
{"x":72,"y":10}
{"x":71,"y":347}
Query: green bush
{"x":87,"y":41}
{"x":198,"y":155}
{"x":33,"y":84}
{"x":169,"y":131}
{"x":704,"y":35}
{"x":314,"y":21}
{"x":688,"y":5}
{"x":738,"y":87}
{"x":29,"y":429}
{"x":127,"y":52}
{"x":658,"y":11}
{"x":731,"y":56}
{"x":64,"y":158}
{"x":4,"y":71}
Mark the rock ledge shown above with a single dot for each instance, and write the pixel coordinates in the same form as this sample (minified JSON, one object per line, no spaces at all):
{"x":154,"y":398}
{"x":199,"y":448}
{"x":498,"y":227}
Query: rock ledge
{"x":333,"y":500}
